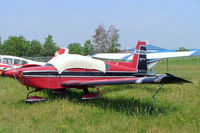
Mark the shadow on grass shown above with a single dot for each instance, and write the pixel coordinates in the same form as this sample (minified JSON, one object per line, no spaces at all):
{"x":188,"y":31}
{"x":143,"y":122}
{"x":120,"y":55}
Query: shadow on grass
{"x":114,"y":88}
{"x":126,"y":106}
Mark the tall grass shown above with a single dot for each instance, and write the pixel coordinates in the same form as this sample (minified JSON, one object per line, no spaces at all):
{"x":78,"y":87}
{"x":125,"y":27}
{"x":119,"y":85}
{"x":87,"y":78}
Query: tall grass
{"x":124,"y":108}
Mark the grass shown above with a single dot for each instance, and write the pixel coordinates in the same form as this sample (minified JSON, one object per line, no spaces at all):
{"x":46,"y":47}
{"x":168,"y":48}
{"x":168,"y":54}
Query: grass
{"x":124,"y":108}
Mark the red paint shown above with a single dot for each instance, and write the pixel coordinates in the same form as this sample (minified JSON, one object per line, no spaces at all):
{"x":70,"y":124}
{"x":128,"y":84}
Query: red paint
{"x":139,"y":43}
{"x":56,"y":82}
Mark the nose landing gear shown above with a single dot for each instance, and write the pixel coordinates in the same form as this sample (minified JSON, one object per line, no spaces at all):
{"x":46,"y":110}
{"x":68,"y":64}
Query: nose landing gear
{"x":34,"y":99}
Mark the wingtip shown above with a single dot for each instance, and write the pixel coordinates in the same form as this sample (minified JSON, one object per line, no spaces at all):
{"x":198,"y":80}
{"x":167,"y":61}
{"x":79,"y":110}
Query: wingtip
{"x":177,"y":79}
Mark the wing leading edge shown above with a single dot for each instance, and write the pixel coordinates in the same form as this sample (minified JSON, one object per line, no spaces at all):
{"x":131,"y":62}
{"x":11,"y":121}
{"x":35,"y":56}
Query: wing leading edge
{"x":159,"y":79}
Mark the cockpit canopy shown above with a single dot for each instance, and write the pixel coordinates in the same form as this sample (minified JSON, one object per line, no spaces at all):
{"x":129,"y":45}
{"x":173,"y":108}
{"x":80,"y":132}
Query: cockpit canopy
{"x":70,"y":61}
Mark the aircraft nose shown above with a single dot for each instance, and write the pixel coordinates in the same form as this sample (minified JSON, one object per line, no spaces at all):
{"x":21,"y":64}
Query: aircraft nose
{"x":11,"y":73}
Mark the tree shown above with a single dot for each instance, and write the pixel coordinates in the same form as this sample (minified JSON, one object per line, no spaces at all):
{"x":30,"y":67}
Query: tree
{"x":113,"y":37}
{"x":88,"y":48}
{"x":36,"y":48}
{"x":17,"y":46}
{"x":182,"y":49}
{"x":100,"y":39}
{"x":49,"y":48}
{"x":75,"y":48}
{"x":106,"y":40}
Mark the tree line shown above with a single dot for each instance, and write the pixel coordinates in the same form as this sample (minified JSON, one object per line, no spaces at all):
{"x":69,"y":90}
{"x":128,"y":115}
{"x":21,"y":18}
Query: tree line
{"x":104,"y":40}
{"x":19,"y":46}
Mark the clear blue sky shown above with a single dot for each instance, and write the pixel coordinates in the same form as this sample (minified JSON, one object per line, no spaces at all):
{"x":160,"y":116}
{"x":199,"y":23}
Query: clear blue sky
{"x":165,"y":23}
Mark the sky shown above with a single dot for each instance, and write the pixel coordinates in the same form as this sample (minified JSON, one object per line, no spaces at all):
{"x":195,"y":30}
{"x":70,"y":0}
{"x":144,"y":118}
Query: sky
{"x":168,"y":23}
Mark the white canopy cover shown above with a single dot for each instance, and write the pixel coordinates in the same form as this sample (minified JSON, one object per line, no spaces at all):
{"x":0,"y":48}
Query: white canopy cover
{"x":69,"y":61}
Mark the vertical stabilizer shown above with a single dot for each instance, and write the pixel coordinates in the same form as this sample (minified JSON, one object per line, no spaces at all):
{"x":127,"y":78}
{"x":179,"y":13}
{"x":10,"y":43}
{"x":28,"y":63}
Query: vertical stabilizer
{"x":139,"y":61}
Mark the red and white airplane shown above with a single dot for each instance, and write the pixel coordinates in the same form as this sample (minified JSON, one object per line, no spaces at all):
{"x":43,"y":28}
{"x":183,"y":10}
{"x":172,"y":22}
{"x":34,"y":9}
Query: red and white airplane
{"x":82,"y":72}
{"x":16,"y":62}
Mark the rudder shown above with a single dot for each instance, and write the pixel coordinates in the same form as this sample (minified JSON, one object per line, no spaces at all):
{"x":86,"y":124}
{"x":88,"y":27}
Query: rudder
{"x":139,"y":61}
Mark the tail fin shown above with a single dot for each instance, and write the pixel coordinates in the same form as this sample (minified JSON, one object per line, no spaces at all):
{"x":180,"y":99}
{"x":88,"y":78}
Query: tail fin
{"x":139,"y":61}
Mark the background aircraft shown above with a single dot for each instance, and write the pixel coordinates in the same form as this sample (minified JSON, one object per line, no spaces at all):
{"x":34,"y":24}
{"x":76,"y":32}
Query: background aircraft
{"x":129,"y":56}
{"x":154,"y":54}
{"x":153,"y":49}
{"x":15,"y":61}
{"x":19,"y":61}
{"x":82,"y":72}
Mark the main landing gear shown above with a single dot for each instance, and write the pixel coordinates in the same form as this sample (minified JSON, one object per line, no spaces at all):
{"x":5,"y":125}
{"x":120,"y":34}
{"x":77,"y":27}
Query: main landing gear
{"x":89,"y":96}
{"x":33,"y":99}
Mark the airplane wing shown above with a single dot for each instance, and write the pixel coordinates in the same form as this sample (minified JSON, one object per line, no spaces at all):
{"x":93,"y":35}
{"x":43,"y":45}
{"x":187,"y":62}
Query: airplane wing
{"x":152,"y":58}
{"x":161,"y":55}
{"x":114,"y":56}
{"x":169,"y":54}
{"x":158,"y":79}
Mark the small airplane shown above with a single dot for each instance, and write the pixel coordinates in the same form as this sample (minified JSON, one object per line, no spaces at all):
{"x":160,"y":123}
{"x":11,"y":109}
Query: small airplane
{"x":153,"y":56}
{"x":83,"y":72}
{"x":18,"y":61}
{"x":15,"y":61}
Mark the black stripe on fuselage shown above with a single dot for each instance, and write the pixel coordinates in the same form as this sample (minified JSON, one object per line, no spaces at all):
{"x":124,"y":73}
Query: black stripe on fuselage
{"x":81,"y":74}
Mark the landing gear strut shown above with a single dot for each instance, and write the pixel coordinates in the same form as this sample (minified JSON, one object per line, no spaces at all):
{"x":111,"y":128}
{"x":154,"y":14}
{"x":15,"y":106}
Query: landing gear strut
{"x":34,"y":99}
{"x":89,"y":96}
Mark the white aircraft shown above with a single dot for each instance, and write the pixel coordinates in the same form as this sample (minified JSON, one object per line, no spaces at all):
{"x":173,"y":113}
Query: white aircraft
{"x":128,"y":56}
{"x":7,"y":60}
{"x":152,"y":58}
{"x":15,"y":61}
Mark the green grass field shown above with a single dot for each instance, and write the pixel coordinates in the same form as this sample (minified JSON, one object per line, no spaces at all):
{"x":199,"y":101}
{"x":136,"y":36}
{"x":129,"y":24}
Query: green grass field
{"x":124,"y":108}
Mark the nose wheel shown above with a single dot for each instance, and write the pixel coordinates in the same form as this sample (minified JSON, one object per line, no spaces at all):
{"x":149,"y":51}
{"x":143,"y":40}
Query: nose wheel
{"x":34,"y":99}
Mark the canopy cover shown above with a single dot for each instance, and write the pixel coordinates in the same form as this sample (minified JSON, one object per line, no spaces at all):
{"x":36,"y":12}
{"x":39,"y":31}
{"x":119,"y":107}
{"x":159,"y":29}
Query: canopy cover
{"x":70,"y":61}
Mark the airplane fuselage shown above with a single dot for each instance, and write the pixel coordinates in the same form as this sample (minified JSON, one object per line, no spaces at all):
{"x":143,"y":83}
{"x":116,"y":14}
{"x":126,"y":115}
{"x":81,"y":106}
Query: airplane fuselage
{"x":47,"y":76}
